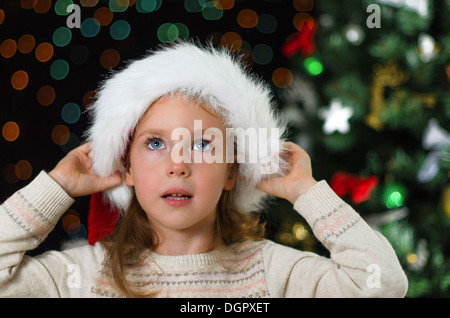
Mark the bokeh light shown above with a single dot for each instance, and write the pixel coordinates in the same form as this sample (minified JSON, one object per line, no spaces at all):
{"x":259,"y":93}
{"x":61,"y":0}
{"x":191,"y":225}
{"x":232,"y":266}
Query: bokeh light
{"x":147,"y":6}
{"x":71,"y":113}
{"x":303,"y":5}
{"x":266,"y":23}
{"x":62,"y":36}
{"x":27,"y":4}
{"x":262,"y":54}
{"x":71,"y":143}
{"x":313,"y":66}
{"x":44,"y":52}
{"x":8,"y":48}
{"x":23,"y":170}
{"x":282,"y":77}
{"x":194,"y":5}
{"x":231,"y":40}
{"x":225,"y":4}
{"x":118,"y":5}
{"x":170,"y":32}
{"x":26,"y":43}
{"x":61,"y":7}
{"x":110,"y":58}
{"x":59,"y":69}
{"x":60,"y":134}
{"x":120,"y":30}
{"x":247,"y":18}
{"x":42,"y":6}
{"x":2,"y":16}
{"x":212,"y":11}
{"x":301,"y":18}
{"x":10,"y":131}
{"x":46,"y":95}
{"x":88,"y":3}
{"x":19,"y":80}
{"x":103,"y":15}
{"x":90,"y":27}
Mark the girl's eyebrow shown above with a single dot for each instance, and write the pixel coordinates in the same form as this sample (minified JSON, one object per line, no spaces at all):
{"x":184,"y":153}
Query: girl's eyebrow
{"x":153,"y":131}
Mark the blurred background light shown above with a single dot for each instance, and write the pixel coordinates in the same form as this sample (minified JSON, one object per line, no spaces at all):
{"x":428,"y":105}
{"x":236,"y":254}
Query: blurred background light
{"x":282,"y":77}
{"x":90,"y":27}
{"x":26,"y":43}
{"x":10,"y":131}
{"x":194,"y":5}
{"x":212,"y":10}
{"x":231,"y":40}
{"x":23,"y":170}
{"x":266,"y":23}
{"x":118,"y":5}
{"x":147,"y":6}
{"x":262,"y":54}
{"x":88,"y":3}
{"x":313,"y":65}
{"x":42,"y":6}
{"x":59,"y":69}
{"x":8,"y":48}
{"x":46,"y":95}
{"x":62,"y":36}
{"x":103,"y":15}
{"x":61,"y":7}
{"x":19,"y":80}
{"x":120,"y":30}
{"x":109,"y":58}
{"x":70,"y":113}
{"x":44,"y":52}
{"x":247,"y":18}
{"x":60,"y":134}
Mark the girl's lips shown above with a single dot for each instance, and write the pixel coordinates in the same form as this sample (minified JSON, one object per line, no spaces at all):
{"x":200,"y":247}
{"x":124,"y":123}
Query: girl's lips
{"x":177,"y":201}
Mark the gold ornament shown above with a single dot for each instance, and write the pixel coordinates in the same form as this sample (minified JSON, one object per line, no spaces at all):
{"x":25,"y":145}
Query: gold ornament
{"x":388,"y":75}
{"x":446,"y":200}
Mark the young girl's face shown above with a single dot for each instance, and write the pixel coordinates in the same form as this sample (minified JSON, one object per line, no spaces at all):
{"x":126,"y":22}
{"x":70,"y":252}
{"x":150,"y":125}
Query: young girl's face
{"x":154,"y":174}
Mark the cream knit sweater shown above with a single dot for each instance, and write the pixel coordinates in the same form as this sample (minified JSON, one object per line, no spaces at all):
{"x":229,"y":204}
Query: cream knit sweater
{"x":362,"y":263}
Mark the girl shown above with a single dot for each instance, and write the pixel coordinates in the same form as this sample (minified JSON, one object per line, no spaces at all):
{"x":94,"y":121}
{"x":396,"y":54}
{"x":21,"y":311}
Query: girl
{"x":185,"y":227}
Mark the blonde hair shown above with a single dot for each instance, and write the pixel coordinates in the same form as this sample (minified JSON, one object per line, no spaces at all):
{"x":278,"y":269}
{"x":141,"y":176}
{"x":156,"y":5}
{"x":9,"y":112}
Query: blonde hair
{"x":133,"y":237}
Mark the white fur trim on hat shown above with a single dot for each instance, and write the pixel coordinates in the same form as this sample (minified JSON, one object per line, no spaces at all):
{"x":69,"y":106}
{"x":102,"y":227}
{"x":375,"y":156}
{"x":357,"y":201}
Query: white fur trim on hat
{"x":214,"y":75}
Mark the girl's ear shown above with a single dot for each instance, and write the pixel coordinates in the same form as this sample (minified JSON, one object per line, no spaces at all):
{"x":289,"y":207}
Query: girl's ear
{"x":129,"y":180}
{"x":233,"y":173}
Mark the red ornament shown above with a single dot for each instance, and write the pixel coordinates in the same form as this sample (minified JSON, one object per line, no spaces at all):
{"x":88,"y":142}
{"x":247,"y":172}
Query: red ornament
{"x":303,"y":41}
{"x":358,"y":187}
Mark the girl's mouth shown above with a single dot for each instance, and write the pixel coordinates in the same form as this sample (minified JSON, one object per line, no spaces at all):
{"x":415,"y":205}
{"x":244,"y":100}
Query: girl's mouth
{"x":177,"y":200}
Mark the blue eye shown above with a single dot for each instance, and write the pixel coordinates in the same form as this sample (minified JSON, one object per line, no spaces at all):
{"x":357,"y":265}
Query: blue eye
{"x":202,"y":145}
{"x":156,"y":144}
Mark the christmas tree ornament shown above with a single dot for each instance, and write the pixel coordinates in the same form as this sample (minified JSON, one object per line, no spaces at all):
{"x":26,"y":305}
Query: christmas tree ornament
{"x":435,"y":138}
{"x":354,"y":34}
{"x":388,"y":75}
{"x":446,"y":200}
{"x":427,"y":48}
{"x":359,"y":188}
{"x":336,"y":117}
{"x":302,"y":42}
{"x":394,"y":195}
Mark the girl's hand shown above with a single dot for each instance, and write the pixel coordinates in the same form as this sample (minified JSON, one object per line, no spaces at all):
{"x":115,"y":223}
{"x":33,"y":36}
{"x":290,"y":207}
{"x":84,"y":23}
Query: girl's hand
{"x":297,"y":181}
{"x":73,"y":173}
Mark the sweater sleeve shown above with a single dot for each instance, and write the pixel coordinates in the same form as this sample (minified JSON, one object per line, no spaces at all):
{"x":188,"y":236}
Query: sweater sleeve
{"x":26,"y":218}
{"x":362,"y":263}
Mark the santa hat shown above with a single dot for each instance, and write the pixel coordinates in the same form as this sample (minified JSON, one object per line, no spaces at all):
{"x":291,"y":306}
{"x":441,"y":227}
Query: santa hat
{"x":217,"y":77}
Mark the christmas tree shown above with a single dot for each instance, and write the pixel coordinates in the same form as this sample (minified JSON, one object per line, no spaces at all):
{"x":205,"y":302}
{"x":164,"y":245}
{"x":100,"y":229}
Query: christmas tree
{"x":370,"y":102}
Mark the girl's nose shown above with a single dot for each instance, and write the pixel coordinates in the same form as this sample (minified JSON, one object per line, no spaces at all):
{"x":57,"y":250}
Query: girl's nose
{"x":179,"y":170}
